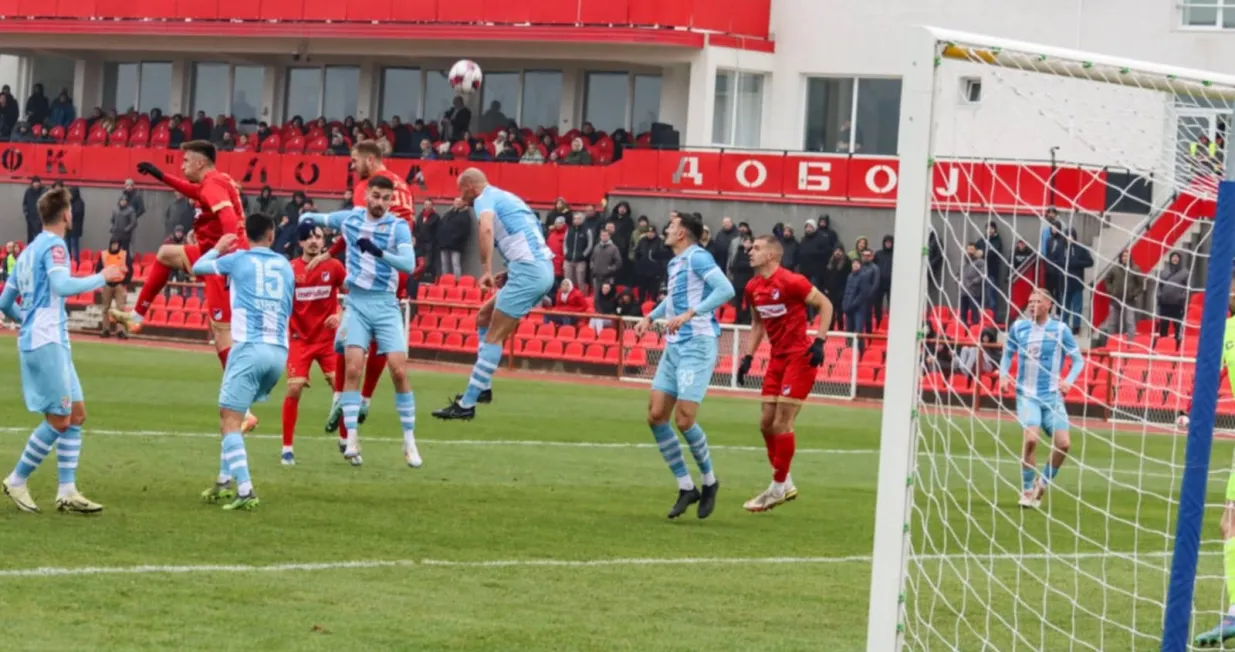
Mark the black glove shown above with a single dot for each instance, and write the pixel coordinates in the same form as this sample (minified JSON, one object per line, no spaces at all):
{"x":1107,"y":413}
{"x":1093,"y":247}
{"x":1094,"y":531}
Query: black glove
{"x":816,"y":352}
{"x":366,"y":245}
{"x":744,"y":368}
{"x":150,"y":170}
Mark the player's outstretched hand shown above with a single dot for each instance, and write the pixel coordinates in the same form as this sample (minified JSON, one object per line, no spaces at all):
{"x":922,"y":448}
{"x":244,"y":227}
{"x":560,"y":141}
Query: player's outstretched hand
{"x":149,"y":170}
{"x":816,"y":352}
{"x":744,"y":368}
{"x":641,"y":326}
{"x":317,"y":260}
{"x":1006,"y":383}
{"x":226,"y":244}
{"x":366,"y":245}
{"x":113,"y":273}
{"x":487,"y":282}
{"x":332,"y":322}
{"x":676,"y":323}
{"x":499,"y":280}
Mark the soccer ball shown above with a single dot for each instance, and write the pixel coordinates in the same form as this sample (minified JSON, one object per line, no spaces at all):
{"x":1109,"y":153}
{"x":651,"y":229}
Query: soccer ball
{"x":1182,"y":422}
{"x":465,"y":77}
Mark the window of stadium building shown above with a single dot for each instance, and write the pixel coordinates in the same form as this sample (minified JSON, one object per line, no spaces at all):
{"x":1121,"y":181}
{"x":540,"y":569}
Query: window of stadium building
{"x":1212,"y":14}
{"x":400,"y":94}
{"x":224,"y":89}
{"x":620,"y":100}
{"x":531,"y":98}
{"x":852,"y":115}
{"x":142,"y":86}
{"x":737,"y":114}
{"x":329,"y":92}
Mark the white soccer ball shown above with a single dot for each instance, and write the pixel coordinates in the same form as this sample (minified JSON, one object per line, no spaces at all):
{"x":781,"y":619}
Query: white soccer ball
{"x":465,"y":77}
{"x":1182,"y":422}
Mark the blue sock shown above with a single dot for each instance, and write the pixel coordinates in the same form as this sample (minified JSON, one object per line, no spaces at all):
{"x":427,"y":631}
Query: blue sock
{"x":1027,"y":477}
{"x":698,"y":442}
{"x":237,"y":462}
{"x":671,"y":450}
{"x":37,"y":447}
{"x":225,"y":472}
{"x":351,"y":415}
{"x":405,"y":404}
{"x":487,"y":361}
{"x":1049,"y":472}
{"x":68,"y":450}
{"x":482,"y":332}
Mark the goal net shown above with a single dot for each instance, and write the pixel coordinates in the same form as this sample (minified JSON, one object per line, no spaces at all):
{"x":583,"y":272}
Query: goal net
{"x":1095,"y":180}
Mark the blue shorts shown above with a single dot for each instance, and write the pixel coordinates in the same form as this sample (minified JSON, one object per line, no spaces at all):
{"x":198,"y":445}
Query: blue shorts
{"x":685,"y":369}
{"x":373,"y":318}
{"x":49,"y":380}
{"x":252,"y":371}
{"x":526,"y":284}
{"x":1047,"y":414}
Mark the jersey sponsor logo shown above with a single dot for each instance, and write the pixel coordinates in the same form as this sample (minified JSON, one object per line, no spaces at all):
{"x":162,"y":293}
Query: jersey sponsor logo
{"x":58,"y":255}
{"x":313,"y":293}
{"x":772,"y":311}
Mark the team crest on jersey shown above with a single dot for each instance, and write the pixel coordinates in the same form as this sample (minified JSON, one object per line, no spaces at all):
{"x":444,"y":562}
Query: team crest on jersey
{"x":786,"y":389}
{"x":218,"y":314}
{"x":326,"y":276}
{"x":66,"y":402}
{"x":58,"y":256}
{"x":776,"y":294}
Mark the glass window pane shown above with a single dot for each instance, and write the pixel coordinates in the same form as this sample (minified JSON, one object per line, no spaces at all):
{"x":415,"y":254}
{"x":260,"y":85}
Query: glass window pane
{"x":438,"y":96}
{"x":400,"y":93}
{"x":304,"y":93}
{"x":878,"y":116}
{"x":247,"y":85}
{"x":1228,"y":16}
{"x":605,"y":107}
{"x":156,"y":86}
{"x":829,"y":102}
{"x":119,"y":86}
{"x":542,"y":99}
{"x":646,"y":108}
{"x":342,"y":89}
{"x":722,"y":111}
{"x":500,"y":99}
{"x":1201,"y":13}
{"x":749,"y":110}
{"x":210,"y":88}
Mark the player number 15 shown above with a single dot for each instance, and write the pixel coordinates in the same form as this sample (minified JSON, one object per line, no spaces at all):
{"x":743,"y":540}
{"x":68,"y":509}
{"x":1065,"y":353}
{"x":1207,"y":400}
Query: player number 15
{"x":268,"y":283}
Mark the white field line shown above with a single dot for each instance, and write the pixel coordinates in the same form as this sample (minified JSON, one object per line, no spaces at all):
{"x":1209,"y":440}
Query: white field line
{"x":52,"y":571}
{"x":1215,"y":473}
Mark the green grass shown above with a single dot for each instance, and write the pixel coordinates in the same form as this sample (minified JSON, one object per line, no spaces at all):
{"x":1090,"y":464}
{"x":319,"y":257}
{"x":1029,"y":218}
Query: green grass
{"x":473,"y":540}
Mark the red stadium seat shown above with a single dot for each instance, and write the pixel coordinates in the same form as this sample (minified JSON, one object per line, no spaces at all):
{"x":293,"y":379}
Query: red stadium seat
{"x":119,"y":137}
{"x":446,"y":281}
{"x":566,"y":333}
{"x":196,"y":321}
{"x":56,"y":133}
{"x":427,"y":322}
{"x":471,"y":343}
{"x":585,"y":335}
{"x":546,"y":332}
{"x":317,"y":145}
{"x":467,"y":324}
{"x":193,"y":304}
{"x":453,"y":342}
{"x":160,"y":139}
{"x":466,"y":281}
{"x":636,"y":357}
{"x":160,"y":301}
{"x":526,"y":329}
{"x":554,"y":350}
{"x":294,"y":145}
{"x":448,"y":324}
{"x":472,"y":295}
{"x":157,"y":317}
{"x":594,"y":352}
{"x":608,"y":336}
{"x":139,"y":137}
{"x":176,"y":320}
{"x":460,"y":150}
{"x":574,"y":351}
{"x":453,"y":295}
{"x":97,"y":137}
{"x":435,"y":340}
{"x":531,"y":348}
{"x":416,"y":339}
{"x":176,"y":302}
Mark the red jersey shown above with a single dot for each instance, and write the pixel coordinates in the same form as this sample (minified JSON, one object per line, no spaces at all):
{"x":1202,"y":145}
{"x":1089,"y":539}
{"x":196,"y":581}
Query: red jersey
{"x":216,"y":192}
{"x":317,"y":297}
{"x":780,"y":300}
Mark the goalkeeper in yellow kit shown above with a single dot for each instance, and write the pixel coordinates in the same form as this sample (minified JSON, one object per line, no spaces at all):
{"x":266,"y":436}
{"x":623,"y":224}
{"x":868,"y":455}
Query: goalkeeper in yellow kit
{"x":1226,"y":628}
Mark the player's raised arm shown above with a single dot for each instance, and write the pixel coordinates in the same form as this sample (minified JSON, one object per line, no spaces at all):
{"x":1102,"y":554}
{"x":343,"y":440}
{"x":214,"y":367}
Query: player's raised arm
{"x":403,"y":258}
{"x":182,"y":186}
{"x":66,"y":285}
{"x":8,"y":303}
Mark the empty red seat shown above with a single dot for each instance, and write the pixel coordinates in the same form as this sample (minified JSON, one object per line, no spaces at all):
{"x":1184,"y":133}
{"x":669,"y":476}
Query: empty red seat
{"x":636,"y":357}
{"x":446,"y":280}
{"x":193,"y":304}
{"x":554,"y":350}
{"x":471,"y":343}
{"x":176,"y":319}
{"x":574,"y":351}
{"x":158,"y":317}
{"x":585,"y":335}
{"x":453,"y":295}
{"x":472,"y":295}
{"x":426,"y":322}
{"x":546,"y":331}
{"x":566,"y":333}
{"x":531,"y":348}
{"x":594,"y":352}
{"x":454,"y":341}
{"x":196,"y":321}
{"x":611,"y":355}
{"x":466,"y":281}
{"x":176,"y":302}
{"x":526,"y":329}
{"x":448,"y":324}
{"x":416,"y":339}
{"x":434,"y":340}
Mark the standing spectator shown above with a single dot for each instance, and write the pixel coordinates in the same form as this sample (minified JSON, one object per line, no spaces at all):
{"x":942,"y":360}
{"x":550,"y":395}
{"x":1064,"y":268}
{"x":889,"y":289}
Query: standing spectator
{"x":557,"y":244}
{"x":294,"y":207}
{"x":722,"y":240}
{"x":219,"y":132}
{"x":180,"y":212}
{"x":560,"y":209}
{"x":813,"y":254}
{"x":78,"y":208}
{"x":623,"y":225}
{"x":1073,"y":258}
{"x":123,"y":223}
{"x":10,"y":111}
{"x":741,"y":272}
{"x":62,"y":111}
{"x":452,"y":235}
{"x":266,"y":203}
{"x":347,"y":202}
{"x":135,"y":199}
{"x":973,"y":281}
{"x":1172,"y":295}
{"x":883,"y":258}
{"x":576,"y":251}
{"x":1021,"y":254}
{"x":424,"y":235}
{"x":832,"y":283}
{"x":735,"y":246}
{"x":403,"y":141}
{"x":6,"y":126}
{"x":790,"y":244}
{"x":934,"y":258}
{"x":1055,"y":250}
{"x":827,"y":232}
{"x":996,"y":262}
{"x":115,"y":295}
{"x":456,"y":121}
{"x":859,"y":245}
{"x":649,"y":272}
{"x":286,"y":236}
{"x":606,"y":260}
{"x":201,"y":127}
{"x":1124,"y":284}
{"x":1052,"y":224}
{"x":38,"y":107}
{"x":30,"y":208}
{"x":855,"y":304}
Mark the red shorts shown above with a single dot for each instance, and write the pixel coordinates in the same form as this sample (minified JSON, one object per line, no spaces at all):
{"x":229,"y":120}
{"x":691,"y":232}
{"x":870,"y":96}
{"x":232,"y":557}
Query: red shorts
{"x":401,"y":293}
{"x":301,"y":355}
{"x":218,"y":300}
{"x":788,"y":378}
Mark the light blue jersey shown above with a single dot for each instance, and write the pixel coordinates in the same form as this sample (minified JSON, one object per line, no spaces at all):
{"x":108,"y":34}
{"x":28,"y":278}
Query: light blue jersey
{"x":515,"y":227}
{"x":262,"y":287}
{"x":1041,"y":348}
{"x":44,"y":319}
{"x":391,"y":234}
{"x":694,"y":275}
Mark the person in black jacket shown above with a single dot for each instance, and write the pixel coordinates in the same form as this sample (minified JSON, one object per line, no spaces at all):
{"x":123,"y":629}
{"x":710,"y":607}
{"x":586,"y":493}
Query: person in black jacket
{"x":650,"y":271}
{"x":934,"y":259}
{"x":30,"y":208}
{"x":790,"y":245}
{"x":424,"y":234}
{"x":996,"y":264}
{"x":452,"y":236}
{"x":78,"y":208}
{"x":624,"y":224}
{"x":832,"y":283}
{"x":813,"y":253}
{"x":883,"y":260}
{"x":828,"y":234}
{"x":740,"y":273}
{"x":1073,"y":258}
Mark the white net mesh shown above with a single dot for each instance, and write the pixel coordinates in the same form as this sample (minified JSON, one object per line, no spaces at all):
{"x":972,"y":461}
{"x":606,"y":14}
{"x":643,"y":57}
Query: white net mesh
{"x":1135,"y":163}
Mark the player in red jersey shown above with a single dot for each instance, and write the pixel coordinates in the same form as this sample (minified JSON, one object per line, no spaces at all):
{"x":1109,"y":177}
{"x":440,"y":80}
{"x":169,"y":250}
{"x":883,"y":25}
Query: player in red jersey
{"x":778,"y":299}
{"x":315,"y":318}
{"x":367,"y":163}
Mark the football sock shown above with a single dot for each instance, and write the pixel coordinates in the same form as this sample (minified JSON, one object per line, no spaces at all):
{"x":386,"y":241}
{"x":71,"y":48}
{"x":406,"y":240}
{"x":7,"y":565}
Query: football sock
{"x":156,"y":280}
{"x":481,"y":332}
{"x":223,"y":356}
{"x":1228,"y":564}
{"x":291,"y":410}
{"x":37,"y":447}
{"x":351,"y":413}
{"x":1049,"y":472}
{"x":405,"y":404}
{"x":786,"y":445}
{"x":1027,"y":476}
{"x":487,"y":361}
{"x":698,"y":443}
{"x":225,"y":471}
{"x":68,"y":450}
{"x":237,"y":462}
{"x":374,"y":366}
{"x":671,"y":450}
{"x":339,"y":373}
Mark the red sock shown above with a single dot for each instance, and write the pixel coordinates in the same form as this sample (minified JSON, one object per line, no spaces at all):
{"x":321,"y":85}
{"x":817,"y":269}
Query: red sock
{"x":769,"y":441}
{"x":786,"y":445}
{"x":223,"y":356}
{"x":339,"y":372}
{"x":291,"y":410}
{"x":156,"y":280}
{"x":373,"y":369}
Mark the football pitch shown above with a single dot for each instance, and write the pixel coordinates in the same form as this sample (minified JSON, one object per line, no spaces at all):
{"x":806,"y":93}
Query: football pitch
{"x":538,"y":526}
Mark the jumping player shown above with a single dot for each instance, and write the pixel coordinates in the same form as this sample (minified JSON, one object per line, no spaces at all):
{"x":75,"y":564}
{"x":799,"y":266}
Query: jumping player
{"x":506,"y":220}
{"x":42,"y":278}
{"x":220,"y":212}
{"x":315,"y":319}
{"x":378,"y":245}
{"x":1041,"y":342}
{"x":367,"y":164}
{"x":261,"y":295}
{"x":778,"y":299}
{"x":696,"y":288}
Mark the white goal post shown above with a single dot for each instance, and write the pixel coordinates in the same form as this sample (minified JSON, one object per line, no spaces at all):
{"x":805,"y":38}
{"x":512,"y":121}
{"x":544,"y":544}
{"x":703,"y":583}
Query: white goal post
{"x":957,"y":565}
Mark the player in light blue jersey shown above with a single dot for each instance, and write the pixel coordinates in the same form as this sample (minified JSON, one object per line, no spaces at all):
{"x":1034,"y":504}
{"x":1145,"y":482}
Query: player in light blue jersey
{"x":505,"y":221}
{"x":1040,"y":344}
{"x":42,"y":278}
{"x":696,"y":288}
{"x":379,"y":245}
{"x":261,"y":287}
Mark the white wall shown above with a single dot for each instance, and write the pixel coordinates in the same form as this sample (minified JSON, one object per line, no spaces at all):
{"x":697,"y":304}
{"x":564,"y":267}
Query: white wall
{"x":8,"y":71}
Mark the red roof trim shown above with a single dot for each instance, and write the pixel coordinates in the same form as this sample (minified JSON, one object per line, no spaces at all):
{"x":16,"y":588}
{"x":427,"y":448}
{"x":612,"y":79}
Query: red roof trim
{"x":742,"y":43}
